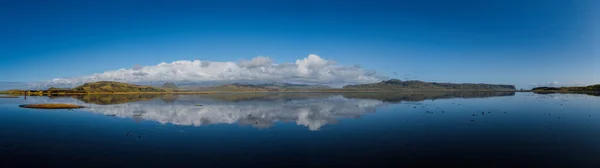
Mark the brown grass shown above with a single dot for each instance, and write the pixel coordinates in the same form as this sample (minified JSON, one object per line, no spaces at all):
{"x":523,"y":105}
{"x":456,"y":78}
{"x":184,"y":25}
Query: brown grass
{"x":9,"y":96}
{"x":51,"y":106}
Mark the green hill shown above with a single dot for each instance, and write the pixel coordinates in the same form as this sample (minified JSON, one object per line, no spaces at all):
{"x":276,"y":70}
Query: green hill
{"x":169,"y":85}
{"x":415,"y":85}
{"x":393,"y":85}
{"x":242,"y":88}
{"x":591,"y":88}
{"x":291,"y":86}
{"x":267,"y":87}
{"x":109,"y":86}
{"x":420,"y":96}
{"x":104,"y":99}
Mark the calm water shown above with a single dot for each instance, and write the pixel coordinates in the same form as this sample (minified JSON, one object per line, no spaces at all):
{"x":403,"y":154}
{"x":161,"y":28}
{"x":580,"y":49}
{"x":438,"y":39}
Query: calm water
{"x":309,"y":130}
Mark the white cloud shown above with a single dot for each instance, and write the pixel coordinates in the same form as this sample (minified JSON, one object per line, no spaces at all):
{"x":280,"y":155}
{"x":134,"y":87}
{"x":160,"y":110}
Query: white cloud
{"x":310,"y":70}
{"x":310,"y":64}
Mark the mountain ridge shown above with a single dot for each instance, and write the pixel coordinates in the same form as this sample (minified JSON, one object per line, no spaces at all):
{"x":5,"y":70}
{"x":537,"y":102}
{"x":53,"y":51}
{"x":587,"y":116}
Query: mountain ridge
{"x":393,"y":85}
{"x":412,"y":85}
{"x":571,"y":89}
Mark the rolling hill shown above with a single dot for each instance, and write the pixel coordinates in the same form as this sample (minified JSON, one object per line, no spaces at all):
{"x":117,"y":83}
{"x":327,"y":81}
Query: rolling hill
{"x":109,"y":86}
{"x":393,"y":85}
{"x":169,"y":85}
{"x":590,"y":88}
{"x":415,"y":85}
{"x":267,"y":87}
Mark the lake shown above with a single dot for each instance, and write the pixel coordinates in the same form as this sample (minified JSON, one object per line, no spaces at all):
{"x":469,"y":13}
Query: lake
{"x":485,"y":129}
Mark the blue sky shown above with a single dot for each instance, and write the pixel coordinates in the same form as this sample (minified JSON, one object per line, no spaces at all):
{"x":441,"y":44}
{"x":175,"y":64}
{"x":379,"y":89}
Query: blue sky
{"x":505,"y":42}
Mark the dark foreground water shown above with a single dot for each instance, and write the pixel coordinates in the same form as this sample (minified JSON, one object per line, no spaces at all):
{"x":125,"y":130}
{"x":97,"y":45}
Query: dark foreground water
{"x":306,"y":130}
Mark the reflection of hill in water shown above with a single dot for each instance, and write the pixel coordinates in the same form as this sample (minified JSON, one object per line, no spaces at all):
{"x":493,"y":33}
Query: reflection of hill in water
{"x":112,"y":99}
{"x":105,"y":99}
{"x":266,"y":96}
{"x":239,"y":97}
{"x":258,"y":110}
{"x":312,"y":113}
{"x":120,"y":98}
{"x":169,"y":98}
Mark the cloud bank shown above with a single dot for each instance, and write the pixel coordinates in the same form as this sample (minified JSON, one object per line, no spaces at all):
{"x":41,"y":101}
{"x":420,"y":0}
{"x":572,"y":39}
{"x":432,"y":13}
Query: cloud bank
{"x":310,"y":70}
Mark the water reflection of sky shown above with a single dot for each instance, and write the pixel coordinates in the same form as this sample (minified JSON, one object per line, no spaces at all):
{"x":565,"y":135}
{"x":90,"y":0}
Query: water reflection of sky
{"x":259,"y":110}
{"x":553,"y":129}
{"x":312,"y":113}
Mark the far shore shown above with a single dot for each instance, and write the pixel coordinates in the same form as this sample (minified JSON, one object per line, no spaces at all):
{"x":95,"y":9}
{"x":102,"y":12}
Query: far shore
{"x":562,"y":91}
{"x":245,"y":92}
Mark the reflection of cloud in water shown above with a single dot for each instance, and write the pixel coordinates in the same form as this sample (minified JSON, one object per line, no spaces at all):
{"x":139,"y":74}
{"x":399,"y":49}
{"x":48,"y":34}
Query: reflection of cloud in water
{"x":313,"y":113}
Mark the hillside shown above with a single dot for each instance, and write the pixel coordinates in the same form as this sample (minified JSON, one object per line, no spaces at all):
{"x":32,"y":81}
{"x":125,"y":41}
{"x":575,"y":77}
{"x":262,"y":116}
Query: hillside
{"x":93,"y":87}
{"x":242,"y":88}
{"x":393,"y":85}
{"x":591,"y":88}
{"x":169,"y":85}
{"x":267,"y":87}
{"x":288,"y":86}
{"x":118,"y":87}
{"x":420,"y":96}
{"x":109,"y":86}
{"x":415,"y":85}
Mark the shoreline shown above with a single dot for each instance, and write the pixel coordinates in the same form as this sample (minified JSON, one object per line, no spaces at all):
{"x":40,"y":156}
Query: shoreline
{"x":542,"y":92}
{"x":250,"y":92}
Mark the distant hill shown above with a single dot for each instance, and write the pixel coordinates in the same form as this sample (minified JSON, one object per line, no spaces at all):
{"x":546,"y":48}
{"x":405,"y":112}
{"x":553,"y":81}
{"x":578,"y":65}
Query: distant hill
{"x":546,"y":89}
{"x":58,"y":89}
{"x":109,"y":86}
{"x":415,"y":85}
{"x":93,"y":87}
{"x":267,"y":87}
{"x":284,"y":86}
{"x":591,"y":88}
{"x":169,"y":85}
{"x":236,"y":87}
{"x":420,"y":96}
{"x":393,"y":85}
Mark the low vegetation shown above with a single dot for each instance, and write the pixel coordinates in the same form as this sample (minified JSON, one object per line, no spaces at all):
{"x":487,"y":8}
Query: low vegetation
{"x":591,"y":88}
{"x":109,"y":86}
{"x":102,"y":87}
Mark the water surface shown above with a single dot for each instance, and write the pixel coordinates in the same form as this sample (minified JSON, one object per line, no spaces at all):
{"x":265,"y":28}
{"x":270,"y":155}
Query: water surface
{"x":311,"y":130}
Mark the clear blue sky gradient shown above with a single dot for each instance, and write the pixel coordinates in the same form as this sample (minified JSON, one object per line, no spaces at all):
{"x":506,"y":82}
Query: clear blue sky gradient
{"x":480,"y":41}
